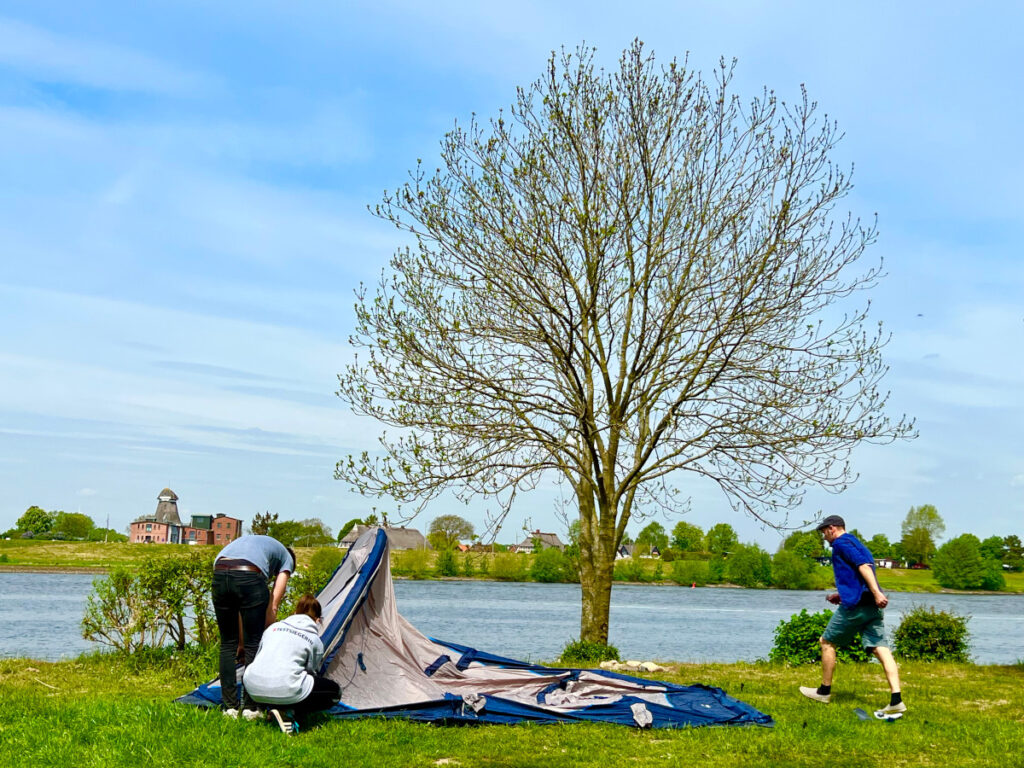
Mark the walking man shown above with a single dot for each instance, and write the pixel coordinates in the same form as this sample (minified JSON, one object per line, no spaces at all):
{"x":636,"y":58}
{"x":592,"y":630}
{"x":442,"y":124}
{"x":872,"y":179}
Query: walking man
{"x":860,"y":603}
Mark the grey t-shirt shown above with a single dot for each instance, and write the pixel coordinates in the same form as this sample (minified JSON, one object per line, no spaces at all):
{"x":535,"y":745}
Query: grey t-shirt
{"x":265,"y":552}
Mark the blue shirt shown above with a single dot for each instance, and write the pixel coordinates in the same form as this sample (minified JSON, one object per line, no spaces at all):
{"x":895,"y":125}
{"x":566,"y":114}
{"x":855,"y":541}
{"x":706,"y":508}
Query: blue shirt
{"x":847,"y":554}
{"x":265,"y":552}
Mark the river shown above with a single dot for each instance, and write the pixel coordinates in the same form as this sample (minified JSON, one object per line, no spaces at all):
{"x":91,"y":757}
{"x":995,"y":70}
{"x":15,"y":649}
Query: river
{"x":40,"y":616}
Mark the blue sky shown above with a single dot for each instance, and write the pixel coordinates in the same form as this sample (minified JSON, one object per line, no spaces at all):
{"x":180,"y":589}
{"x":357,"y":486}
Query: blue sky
{"x":183,"y":222}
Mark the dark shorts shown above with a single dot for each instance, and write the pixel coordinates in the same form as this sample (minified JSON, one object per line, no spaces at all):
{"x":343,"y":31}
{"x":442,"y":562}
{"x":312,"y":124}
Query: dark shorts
{"x":846,"y":622}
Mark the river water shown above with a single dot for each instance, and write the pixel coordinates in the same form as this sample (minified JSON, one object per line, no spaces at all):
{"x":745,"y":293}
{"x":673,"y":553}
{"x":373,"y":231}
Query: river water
{"x":41,"y":613}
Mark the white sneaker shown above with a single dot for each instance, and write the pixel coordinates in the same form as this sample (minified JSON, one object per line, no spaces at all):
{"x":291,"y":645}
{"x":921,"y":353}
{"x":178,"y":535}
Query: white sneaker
{"x":251,"y":714}
{"x":812,"y":693}
{"x":286,"y":726}
{"x":232,"y":713}
{"x":891,"y":711}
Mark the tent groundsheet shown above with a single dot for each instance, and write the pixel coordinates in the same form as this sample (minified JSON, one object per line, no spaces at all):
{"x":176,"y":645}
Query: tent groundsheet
{"x":387,"y":668}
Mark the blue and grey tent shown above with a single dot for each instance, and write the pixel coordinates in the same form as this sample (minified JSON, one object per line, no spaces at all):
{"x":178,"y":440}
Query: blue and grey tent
{"x":387,"y":668}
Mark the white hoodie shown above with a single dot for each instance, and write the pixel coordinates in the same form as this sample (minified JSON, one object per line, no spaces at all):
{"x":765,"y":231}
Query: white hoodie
{"x":290,"y":654}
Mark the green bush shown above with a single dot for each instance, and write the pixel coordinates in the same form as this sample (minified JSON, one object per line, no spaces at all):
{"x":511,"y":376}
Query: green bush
{"x":791,"y":570}
{"x":796,"y":641}
{"x":551,"y":566}
{"x":925,"y":634}
{"x":446,"y":565}
{"x":582,"y":653}
{"x":311,"y":580}
{"x":510,"y":567}
{"x":166,"y":600}
{"x":749,"y":566}
{"x":687,"y":572}
{"x":468,"y":566}
{"x":412,"y":563}
{"x":630,"y":569}
{"x":961,"y":564}
{"x":326,"y":559}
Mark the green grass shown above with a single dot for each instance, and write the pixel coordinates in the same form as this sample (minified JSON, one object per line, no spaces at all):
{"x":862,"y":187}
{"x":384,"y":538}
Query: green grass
{"x":108,"y":712}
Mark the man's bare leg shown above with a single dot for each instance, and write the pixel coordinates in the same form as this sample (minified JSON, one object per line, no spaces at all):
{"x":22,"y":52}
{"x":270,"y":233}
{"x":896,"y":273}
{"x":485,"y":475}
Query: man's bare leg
{"x":892,"y":673}
{"x":828,"y":662}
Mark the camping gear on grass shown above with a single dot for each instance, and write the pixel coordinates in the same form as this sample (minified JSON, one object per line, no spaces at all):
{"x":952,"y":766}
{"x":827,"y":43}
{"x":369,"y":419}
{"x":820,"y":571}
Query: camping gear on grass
{"x":387,"y":668}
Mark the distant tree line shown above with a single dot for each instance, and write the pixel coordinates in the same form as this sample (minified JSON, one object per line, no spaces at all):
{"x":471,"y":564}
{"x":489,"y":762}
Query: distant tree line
{"x":38,"y":523}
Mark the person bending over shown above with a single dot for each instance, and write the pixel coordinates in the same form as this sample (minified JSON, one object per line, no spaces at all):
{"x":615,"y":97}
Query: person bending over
{"x":284,"y":672}
{"x":245,"y":607}
{"x":860,"y":602}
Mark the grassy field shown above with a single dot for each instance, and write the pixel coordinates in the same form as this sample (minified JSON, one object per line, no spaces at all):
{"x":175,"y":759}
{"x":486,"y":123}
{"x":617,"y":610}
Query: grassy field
{"x":110,"y":712}
{"x":63,"y":555}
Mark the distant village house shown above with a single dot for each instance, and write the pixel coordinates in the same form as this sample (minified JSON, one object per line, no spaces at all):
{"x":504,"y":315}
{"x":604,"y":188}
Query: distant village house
{"x":165,"y":527}
{"x":546,"y":541}
{"x":398,"y":537}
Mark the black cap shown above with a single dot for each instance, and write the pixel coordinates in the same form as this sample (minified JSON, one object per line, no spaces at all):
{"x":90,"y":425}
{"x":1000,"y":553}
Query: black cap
{"x":835,"y":520}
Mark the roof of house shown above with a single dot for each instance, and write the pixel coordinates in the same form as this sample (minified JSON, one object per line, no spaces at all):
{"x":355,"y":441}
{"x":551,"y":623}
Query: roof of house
{"x":398,"y":537}
{"x":547,"y":539}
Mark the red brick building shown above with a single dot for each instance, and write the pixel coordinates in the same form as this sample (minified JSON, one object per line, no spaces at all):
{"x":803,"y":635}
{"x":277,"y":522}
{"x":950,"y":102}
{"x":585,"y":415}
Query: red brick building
{"x":165,"y":527}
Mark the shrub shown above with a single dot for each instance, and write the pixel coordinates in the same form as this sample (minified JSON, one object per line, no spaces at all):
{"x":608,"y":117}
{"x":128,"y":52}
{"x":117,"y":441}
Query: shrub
{"x":749,"y":566}
{"x":961,"y":564}
{"x":326,"y":559}
{"x":313,"y":579}
{"x":716,"y":570}
{"x":791,"y":570}
{"x":468,"y":567}
{"x":412,"y":563}
{"x":582,"y":653}
{"x":510,"y":567}
{"x":630,"y":569}
{"x":687,"y":572}
{"x":446,"y":565}
{"x":165,"y":601}
{"x":796,"y":641}
{"x":551,"y":566}
{"x":925,"y":634}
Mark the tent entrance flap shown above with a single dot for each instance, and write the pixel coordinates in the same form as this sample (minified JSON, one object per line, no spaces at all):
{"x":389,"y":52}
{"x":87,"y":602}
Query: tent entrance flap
{"x":387,"y":668}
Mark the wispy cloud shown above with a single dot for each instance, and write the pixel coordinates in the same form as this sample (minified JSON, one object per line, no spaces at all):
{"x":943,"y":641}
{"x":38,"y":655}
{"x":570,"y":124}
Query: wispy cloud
{"x":50,"y":56}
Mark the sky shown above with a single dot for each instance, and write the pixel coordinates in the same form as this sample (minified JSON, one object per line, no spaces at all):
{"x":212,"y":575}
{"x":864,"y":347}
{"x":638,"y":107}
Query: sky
{"x":183,"y":225}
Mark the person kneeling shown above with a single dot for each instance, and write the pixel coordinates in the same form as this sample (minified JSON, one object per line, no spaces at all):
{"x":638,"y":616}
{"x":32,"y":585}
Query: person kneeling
{"x":284,"y":672}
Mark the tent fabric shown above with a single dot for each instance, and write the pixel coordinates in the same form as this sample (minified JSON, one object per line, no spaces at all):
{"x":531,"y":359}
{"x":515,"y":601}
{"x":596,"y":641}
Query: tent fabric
{"x":387,"y":668}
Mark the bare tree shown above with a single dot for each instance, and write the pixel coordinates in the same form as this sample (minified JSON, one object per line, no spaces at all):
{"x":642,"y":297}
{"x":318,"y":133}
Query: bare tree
{"x":631,"y":274}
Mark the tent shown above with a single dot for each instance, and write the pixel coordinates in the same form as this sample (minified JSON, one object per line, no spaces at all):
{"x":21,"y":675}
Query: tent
{"x":387,"y":668}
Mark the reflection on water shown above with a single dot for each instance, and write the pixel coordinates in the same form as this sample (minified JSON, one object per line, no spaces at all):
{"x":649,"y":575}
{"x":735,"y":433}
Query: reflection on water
{"x":41,"y":613}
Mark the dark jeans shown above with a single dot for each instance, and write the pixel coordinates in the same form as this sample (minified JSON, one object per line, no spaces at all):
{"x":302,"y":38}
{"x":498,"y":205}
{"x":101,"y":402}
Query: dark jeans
{"x":325,"y":694}
{"x":238,"y":594}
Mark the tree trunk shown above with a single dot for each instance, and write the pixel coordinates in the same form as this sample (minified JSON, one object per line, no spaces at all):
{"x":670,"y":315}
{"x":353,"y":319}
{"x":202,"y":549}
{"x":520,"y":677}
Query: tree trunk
{"x":597,"y":561}
{"x":597,"y":595}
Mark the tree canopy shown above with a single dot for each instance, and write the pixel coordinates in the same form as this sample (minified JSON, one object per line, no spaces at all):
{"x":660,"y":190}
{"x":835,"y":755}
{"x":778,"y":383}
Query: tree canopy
{"x":807,"y":544}
{"x":687,"y":537}
{"x":721,"y":539}
{"x":630,"y":275}
{"x":921,"y":529}
{"x":36,"y":520}
{"x":960,"y":564}
{"x":653,"y":535}
{"x":73,"y":525}
{"x":448,"y":530}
